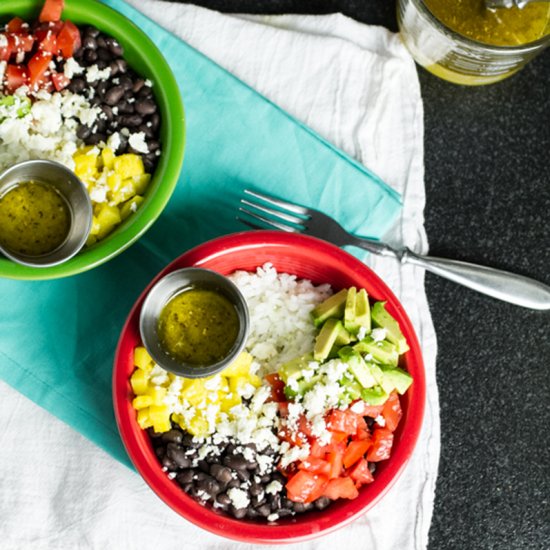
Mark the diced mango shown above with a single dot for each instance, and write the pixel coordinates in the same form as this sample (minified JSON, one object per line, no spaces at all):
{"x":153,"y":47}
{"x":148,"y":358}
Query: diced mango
{"x":108,"y":218}
{"x":255,"y":380}
{"x":157,"y":394}
{"x":229,"y":401}
{"x":108,"y":158}
{"x":85,"y":166}
{"x":139,"y":382}
{"x":143,"y":419}
{"x":195,"y":392}
{"x":239,"y":367}
{"x":130,"y":206}
{"x":142,"y":359}
{"x":114,"y":181}
{"x":141,"y":182}
{"x":198,"y":425}
{"x":129,"y":165}
{"x":142,"y":401}
{"x":160,"y":418}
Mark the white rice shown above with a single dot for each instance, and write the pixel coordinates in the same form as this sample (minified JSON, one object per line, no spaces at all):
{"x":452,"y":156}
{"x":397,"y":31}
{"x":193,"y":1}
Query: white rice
{"x":280,"y":322}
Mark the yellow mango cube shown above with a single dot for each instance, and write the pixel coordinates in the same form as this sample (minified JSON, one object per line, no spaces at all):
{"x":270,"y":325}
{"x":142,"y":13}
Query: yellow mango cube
{"x":139,"y":382}
{"x":239,"y":367}
{"x":128,"y":165}
{"x":142,"y":401}
{"x":143,"y":419}
{"x":130,"y":206}
{"x":114,"y":181}
{"x":107,"y":218}
{"x":198,"y":426}
{"x":141,"y":182}
{"x":160,"y":418}
{"x":157,"y":394}
{"x":124,"y":192}
{"x":142,"y":359}
{"x":194,"y":392}
{"x":229,"y":401}
{"x":108,"y":158}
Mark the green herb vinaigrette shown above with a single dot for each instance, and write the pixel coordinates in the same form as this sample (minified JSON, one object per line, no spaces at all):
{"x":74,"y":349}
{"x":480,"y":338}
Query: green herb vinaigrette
{"x":198,"y":326}
{"x":500,"y":27}
{"x":34,"y":219}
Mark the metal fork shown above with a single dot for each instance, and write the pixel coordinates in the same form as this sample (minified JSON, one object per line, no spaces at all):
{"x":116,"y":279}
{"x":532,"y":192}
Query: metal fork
{"x":293,"y":218}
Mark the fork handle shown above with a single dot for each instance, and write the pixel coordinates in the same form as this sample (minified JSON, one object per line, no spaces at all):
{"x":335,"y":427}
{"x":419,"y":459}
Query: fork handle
{"x":502,"y":285}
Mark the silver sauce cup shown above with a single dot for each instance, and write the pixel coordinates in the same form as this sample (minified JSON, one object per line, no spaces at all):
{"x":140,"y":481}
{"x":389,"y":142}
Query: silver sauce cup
{"x":76,"y":197}
{"x":168,"y":287}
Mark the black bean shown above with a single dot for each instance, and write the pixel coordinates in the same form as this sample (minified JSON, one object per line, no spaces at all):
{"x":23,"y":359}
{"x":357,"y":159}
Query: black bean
{"x":114,"y":47}
{"x":250,"y":464}
{"x":122,"y":65}
{"x":187,"y":437}
{"x":114,"y":95}
{"x":257,"y":500}
{"x":266,"y":478}
{"x":177,"y":455}
{"x":282,"y":512}
{"x":274,"y":501}
{"x":125,"y":108}
{"x":78,"y":53}
{"x":235,"y":461}
{"x":185,"y":477}
{"x":160,"y":452}
{"x":138,"y":84}
{"x":155,"y":121}
{"x":126,"y":82}
{"x":210,"y":486}
{"x":299,"y":507}
{"x":148,"y":131}
{"x":256,"y":489}
{"x":89,"y":42}
{"x":148,"y":165}
{"x":91,"y":31}
{"x":223,"y":499}
{"x":104,"y":54}
{"x":83,"y":132}
{"x":100,"y":126}
{"x":286,"y":503}
{"x":199,"y":493}
{"x":321,"y":503}
{"x":145,"y":92}
{"x":204,"y":466}
{"x":251,"y":513}
{"x":113,"y":65}
{"x":169,"y":464}
{"x":101,"y":41}
{"x":372,"y":467}
{"x":77,"y":85}
{"x":154,"y":435}
{"x":130,"y":121}
{"x":146,"y":106}
{"x":94,"y":139}
{"x":95,"y":101}
{"x":233,"y":483}
{"x":238,"y":513}
{"x":90,"y":56}
{"x":243,"y":475}
{"x":108,"y":113}
{"x":102,"y":64}
{"x":264,"y":510}
{"x":200,"y":475}
{"x":221,"y":473}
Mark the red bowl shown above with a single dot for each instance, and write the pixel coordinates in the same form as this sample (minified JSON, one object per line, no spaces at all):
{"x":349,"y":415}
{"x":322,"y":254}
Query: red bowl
{"x":307,"y":258}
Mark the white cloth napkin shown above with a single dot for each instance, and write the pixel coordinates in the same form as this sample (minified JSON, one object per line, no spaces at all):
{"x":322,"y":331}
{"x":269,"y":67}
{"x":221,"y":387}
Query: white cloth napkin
{"x":356,"y":86}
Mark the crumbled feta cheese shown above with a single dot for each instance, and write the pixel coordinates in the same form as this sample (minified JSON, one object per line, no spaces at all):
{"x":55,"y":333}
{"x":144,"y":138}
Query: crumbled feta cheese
{"x":72,"y":68}
{"x":380,"y":420}
{"x":272,"y":517}
{"x":274,"y":487}
{"x":239,"y":498}
{"x":378,"y":334}
{"x":361,"y":333}
{"x":138,"y":143}
{"x":94,"y":73}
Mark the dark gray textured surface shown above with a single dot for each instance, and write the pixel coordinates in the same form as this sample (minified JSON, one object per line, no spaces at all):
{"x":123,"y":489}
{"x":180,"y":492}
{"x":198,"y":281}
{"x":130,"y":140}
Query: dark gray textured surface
{"x":487,"y":153}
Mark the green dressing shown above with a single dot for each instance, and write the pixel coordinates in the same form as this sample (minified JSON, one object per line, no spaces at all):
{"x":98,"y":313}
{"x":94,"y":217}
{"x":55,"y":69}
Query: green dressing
{"x":198,"y":326}
{"x":34,"y":219}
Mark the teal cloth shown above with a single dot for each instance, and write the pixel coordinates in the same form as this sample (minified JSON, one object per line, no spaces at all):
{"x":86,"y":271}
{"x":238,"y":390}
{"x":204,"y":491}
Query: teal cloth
{"x":58,"y":338}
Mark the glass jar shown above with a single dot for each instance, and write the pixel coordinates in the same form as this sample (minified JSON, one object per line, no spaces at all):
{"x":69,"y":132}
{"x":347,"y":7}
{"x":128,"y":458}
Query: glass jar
{"x":455,"y":57}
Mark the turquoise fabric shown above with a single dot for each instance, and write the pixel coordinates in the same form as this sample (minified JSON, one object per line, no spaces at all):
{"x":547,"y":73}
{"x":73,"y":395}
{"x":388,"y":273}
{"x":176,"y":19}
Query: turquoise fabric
{"x":58,"y":338}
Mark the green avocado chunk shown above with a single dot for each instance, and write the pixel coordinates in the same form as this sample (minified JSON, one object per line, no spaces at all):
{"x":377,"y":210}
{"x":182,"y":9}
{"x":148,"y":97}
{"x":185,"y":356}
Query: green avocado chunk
{"x":381,"y":318}
{"x":374,"y":396}
{"x":357,"y":366}
{"x":382,"y":352}
{"x":395,"y":379}
{"x":294,"y":368}
{"x":331,"y":307}
{"x":362,"y":310}
{"x":326,"y":338}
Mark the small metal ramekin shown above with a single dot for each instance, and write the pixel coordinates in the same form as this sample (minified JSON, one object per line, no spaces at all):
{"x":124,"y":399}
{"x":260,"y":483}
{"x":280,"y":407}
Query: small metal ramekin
{"x":160,"y":295}
{"x":71,"y":189}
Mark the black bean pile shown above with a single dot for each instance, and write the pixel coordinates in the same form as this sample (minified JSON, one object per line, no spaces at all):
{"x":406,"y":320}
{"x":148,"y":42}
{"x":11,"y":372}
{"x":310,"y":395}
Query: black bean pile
{"x":125,"y":98}
{"x":209,"y":480}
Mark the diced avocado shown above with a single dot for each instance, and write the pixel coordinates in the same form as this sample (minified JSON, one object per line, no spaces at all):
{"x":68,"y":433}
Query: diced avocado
{"x":343,"y":338}
{"x":357,"y":366}
{"x":301,"y":386}
{"x":294,"y":368}
{"x":326,"y":338}
{"x":375,"y":372}
{"x":352,"y":389}
{"x":374,"y":396}
{"x":331,"y":307}
{"x":382,"y":352}
{"x":362,"y":310}
{"x":395,"y":379}
{"x":381,"y":318}
{"x":349,"y":311}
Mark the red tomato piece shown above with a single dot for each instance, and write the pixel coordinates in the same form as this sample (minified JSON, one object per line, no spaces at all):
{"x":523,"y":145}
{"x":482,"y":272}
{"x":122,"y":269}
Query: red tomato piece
{"x":336,"y":460}
{"x":361,"y":434}
{"x":315,"y":465}
{"x":68,"y":39}
{"x":306,"y":486}
{"x":342,"y":487}
{"x":277,"y":387}
{"x":355,"y":451}
{"x":38,"y":65}
{"x":15,"y":24}
{"x":318,"y":450}
{"x":49,"y":43}
{"x":60,"y":81}
{"x":7,"y":49}
{"x":342,"y":421}
{"x":294,"y":438}
{"x":16,"y":76}
{"x":51,"y":11}
{"x":22,"y":42}
{"x":392,"y":412}
{"x":382,"y":441}
{"x":363,"y":409}
{"x":360,"y":473}
{"x":337,"y":437}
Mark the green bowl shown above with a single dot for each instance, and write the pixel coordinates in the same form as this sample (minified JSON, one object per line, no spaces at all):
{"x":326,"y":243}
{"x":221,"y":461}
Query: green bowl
{"x":146,"y":59}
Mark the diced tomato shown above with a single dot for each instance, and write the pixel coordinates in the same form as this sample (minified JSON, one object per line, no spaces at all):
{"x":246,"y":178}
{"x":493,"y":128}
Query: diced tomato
{"x":342,"y":421}
{"x":306,"y":486}
{"x":38,"y":65}
{"x":16,"y":76}
{"x":68,"y":39}
{"x":49,"y":43}
{"x":392,"y":412}
{"x":315,"y":465}
{"x":382,"y":441}
{"x":361,"y":434}
{"x":354,"y":451}
{"x":363,"y":409}
{"x":51,"y":11}
{"x":342,"y":487}
{"x":292,"y":437}
{"x":60,"y":81}
{"x":336,"y":460}
{"x":277,"y":387}
{"x":15,"y":25}
{"x":22,"y":42}
{"x":360,"y":473}
{"x":318,"y":450}
{"x":6,"y":51}
{"x":305,"y":427}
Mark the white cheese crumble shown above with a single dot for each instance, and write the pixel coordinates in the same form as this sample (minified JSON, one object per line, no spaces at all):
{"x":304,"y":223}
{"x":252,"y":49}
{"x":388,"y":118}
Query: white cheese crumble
{"x":378,"y":334}
{"x":138,"y":143}
{"x":239,"y":498}
{"x":274,"y":487}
